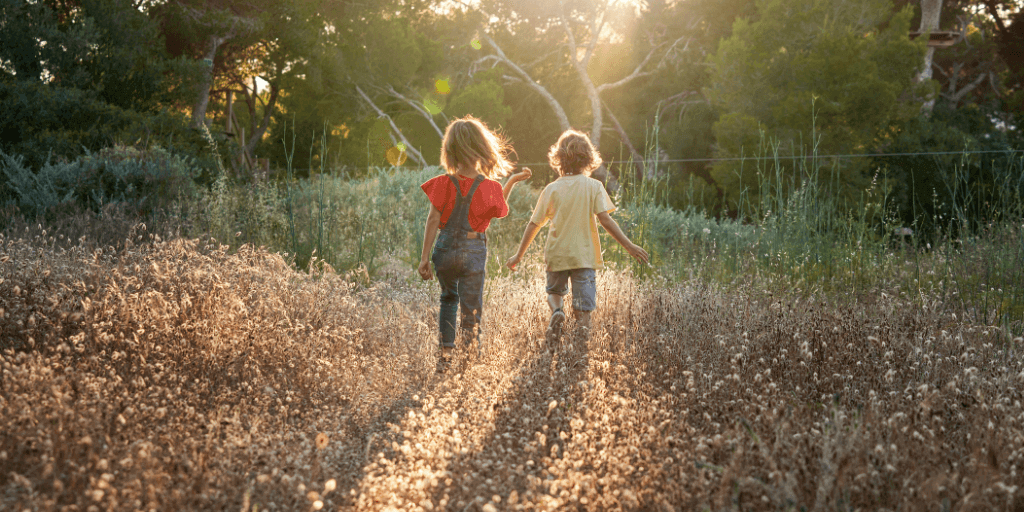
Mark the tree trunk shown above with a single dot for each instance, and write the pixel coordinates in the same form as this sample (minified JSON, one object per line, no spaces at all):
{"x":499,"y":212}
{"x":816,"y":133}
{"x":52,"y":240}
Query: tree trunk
{"x":203,"y":95}
{"x":260,"y":128}
{"x":931,"y":10}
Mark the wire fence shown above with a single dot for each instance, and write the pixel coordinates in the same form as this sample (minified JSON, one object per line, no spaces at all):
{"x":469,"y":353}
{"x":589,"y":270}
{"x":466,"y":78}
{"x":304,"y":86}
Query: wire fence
{"x":1009,"y":152}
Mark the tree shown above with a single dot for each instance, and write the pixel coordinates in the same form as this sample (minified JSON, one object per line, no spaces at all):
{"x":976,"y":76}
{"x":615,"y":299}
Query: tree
{"x":102,"y":46}
{"x":832,"y":75}
{"x":409,"y":74}
{"x":568,"y":36}
{"x":244,"y":43}
{"x":83,"y":75}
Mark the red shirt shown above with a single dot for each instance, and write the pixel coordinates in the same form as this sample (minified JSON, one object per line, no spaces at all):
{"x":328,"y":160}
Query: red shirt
{"x":487,"y":203}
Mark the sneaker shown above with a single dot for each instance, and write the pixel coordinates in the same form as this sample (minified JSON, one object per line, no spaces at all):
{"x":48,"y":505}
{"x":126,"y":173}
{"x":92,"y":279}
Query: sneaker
{"x":555,"y":325}
{"x":444,"y":361}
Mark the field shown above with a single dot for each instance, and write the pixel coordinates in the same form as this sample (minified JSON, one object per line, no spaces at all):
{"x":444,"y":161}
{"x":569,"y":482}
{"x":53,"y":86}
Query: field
{"x":175,"y":374}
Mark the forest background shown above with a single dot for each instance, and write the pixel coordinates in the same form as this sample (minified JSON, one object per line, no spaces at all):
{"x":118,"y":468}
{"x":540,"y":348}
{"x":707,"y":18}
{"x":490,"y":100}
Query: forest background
{"x":802,"y":136}
{"x":350,"y":81}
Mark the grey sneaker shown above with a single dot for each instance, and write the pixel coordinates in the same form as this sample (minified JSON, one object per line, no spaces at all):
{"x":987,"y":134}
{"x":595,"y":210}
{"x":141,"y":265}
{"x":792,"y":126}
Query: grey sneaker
{"x":444,"y":360}
{"x":555,"y":325}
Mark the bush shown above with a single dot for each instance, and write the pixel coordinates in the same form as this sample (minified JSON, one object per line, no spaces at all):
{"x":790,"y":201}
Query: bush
{"x":347,"y":223}
{"x":42,"y":123}
{"x":142,"y":179}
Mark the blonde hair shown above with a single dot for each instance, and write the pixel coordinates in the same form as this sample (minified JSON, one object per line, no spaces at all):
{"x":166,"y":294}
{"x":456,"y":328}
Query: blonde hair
{"x":574,"y":154}
{"x":468,"y":141}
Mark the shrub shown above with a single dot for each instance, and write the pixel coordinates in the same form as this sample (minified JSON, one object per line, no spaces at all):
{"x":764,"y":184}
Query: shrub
{"x":42,"y":123}
{"x":143,"y":179}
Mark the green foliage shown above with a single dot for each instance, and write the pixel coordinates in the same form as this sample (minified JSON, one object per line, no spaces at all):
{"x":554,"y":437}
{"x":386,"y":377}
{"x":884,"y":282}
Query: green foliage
{"x":823,"y":73}
{"x":41,"y":123}
{"x":143,"y":180}
{"x":347,"y":223}
{"x":484,"y":98}
{"x":108,"y":47}
{"x":922,"y":185}
{"x":385,"y":56}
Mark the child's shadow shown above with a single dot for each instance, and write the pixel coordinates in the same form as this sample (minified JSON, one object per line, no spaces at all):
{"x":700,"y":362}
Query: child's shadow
{"x":531,"y":427}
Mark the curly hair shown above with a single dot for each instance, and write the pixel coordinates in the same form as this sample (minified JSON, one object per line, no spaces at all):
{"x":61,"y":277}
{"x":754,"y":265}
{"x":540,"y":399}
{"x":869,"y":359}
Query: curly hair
{"x":574,"y":154}
{"x":468,"y":141}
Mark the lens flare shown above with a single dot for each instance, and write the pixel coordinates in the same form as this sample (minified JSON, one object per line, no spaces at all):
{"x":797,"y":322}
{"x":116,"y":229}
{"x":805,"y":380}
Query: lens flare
{"x":396,"y":156}
{"x":442,"y":87}
{"x":431,"y":106}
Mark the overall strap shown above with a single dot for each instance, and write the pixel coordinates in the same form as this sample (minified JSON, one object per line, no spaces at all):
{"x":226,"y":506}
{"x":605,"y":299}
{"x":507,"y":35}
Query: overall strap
{"x":469,"y":198}
{"x":455,"y":181}
{"x":472,"y":190}
{"x":476,"y":183}
{"x":459,"y":219}
{"x":458,"y":190}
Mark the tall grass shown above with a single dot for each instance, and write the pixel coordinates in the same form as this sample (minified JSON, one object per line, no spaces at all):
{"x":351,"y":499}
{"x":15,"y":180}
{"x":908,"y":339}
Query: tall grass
{"x":983,"y":251}
{"x":364,"y":226}
{"x":797,"y":227}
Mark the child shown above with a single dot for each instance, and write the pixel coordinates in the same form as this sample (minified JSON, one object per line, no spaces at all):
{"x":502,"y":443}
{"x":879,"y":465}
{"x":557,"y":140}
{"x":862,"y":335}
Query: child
{"x":462,"y":203}
{"x":573,"y":250}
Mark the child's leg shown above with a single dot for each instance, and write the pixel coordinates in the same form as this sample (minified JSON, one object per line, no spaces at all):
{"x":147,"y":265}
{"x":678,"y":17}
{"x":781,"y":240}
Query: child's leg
{"x":584,"y":295}
{"x":443,"y":256}
{"x":471,"y":289}
{"x":557,"y":287}
{"x":471,"y":303}
{"x":554,"y":302}
{"x":449,"y":308}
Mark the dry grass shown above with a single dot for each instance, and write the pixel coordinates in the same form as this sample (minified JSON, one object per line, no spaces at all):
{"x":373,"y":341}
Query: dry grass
{"x":173,"y":375}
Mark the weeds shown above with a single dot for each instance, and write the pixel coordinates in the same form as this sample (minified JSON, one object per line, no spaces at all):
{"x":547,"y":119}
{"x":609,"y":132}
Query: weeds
{"x":175,"y":374}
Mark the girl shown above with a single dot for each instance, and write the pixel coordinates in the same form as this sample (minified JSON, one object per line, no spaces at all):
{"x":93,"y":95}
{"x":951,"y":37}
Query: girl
{"x":462,"y":203}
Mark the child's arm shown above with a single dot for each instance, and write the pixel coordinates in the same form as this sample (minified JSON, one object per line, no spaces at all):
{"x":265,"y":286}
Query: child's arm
{"x":528,"y":236}
{"x":612,"y":227}
{"x":515,"y":178}
{"x":429,"y":234}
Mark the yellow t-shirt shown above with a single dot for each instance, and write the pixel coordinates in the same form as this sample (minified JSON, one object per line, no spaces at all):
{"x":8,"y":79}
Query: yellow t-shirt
{"x":572,"y":203}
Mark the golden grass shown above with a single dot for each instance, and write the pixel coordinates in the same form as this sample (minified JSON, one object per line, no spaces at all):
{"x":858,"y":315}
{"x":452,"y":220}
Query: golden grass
{"x":174,"y":375}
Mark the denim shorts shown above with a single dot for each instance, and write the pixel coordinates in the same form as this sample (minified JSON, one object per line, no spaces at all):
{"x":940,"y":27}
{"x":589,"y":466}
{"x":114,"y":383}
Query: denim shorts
{"x":584,"y":287}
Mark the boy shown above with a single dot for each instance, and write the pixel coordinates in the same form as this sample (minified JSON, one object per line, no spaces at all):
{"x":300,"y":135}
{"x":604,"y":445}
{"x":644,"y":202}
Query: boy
{"x":574,"y":203}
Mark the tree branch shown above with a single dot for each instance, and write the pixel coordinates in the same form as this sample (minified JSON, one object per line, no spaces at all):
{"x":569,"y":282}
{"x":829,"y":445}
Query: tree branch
{"x":563,"y":120}
{"x":638,"y":72}
{"x":596,"y":26}
{"x":413,"y":152}
{"x":422,"y":111}
{"x":596,"y":110}
{"x":993,"y":10}
{"x":959,"y":95}
{"x":268,"y":111}
{"x":573,"y":47}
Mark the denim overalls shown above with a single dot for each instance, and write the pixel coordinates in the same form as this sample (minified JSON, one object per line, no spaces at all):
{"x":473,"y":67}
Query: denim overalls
{"x":460,"y":263}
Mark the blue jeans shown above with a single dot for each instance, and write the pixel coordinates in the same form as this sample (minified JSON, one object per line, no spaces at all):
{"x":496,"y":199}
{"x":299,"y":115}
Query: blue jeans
{"x":461,"y":267}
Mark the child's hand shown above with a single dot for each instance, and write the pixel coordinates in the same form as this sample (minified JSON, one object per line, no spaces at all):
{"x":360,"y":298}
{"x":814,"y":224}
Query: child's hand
{"x":639,"y":253}
{"x":424,"y":270}
{"x":523,"y":175}
{"x":512,"y":263}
